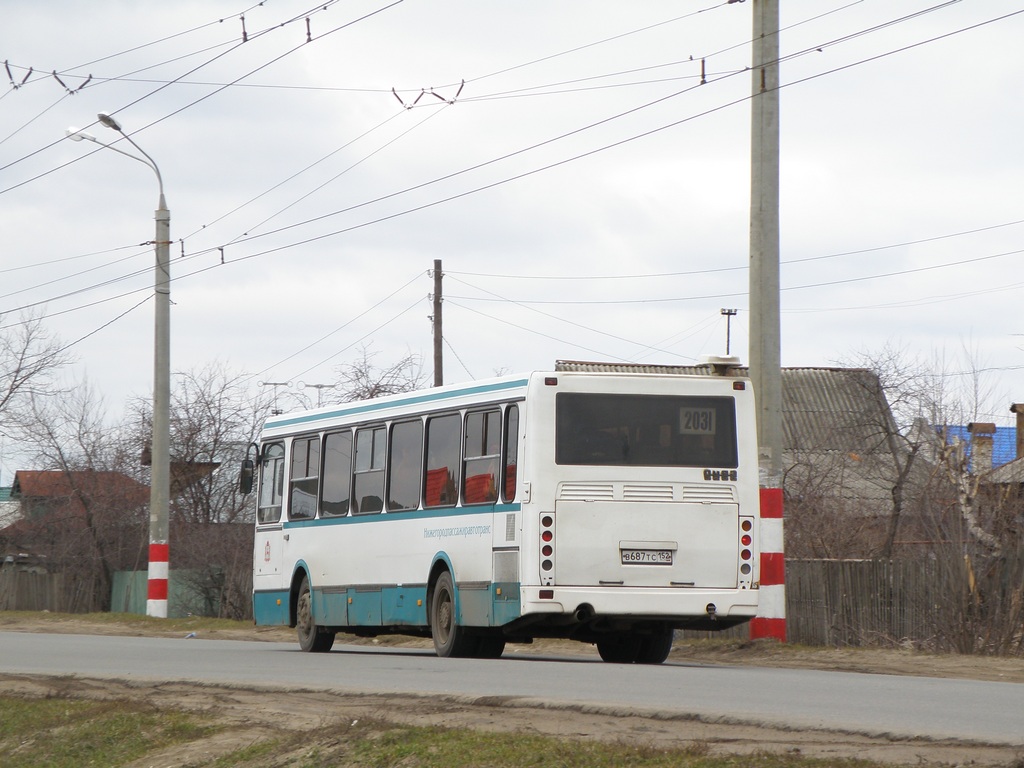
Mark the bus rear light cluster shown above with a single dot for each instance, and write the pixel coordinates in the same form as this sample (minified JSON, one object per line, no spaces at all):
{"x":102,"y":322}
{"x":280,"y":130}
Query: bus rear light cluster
{"x":746,"y":550}
{"x":547,"y":548}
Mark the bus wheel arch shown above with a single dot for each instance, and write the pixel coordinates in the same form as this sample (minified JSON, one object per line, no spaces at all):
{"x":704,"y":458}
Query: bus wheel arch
{"x":298,"y":577}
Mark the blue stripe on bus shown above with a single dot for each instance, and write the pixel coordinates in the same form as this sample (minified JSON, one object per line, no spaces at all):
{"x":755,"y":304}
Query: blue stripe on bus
{"x":398,"y":606}
{"x":271,"y":609}
{"x":370,"y":407}
{"x":412,"y":514}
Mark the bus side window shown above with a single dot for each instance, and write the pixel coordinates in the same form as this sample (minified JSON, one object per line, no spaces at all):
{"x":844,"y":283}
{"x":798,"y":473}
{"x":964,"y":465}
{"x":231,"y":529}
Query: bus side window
{"x":441,"y":481}
{"x":271,"y":483}
{"x":304,"y":478}
{"x":482,"y":456}
{"x":405,"y":465}
{"x":337,"y":474}
{"x":511,"y":452}
{"x":368,"y":475}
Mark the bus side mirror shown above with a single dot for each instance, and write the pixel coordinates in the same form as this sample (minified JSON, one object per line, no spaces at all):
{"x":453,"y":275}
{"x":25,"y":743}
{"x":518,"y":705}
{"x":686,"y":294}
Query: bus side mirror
{"x":245,"y":477}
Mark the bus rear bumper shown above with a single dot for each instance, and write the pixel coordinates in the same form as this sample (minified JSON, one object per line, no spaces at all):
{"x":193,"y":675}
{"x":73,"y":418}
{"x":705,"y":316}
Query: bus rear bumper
{"x":674,"y":605}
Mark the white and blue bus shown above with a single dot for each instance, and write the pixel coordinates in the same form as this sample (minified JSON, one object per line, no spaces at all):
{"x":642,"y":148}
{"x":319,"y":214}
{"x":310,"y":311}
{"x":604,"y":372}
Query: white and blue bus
{"x":610,"y":507}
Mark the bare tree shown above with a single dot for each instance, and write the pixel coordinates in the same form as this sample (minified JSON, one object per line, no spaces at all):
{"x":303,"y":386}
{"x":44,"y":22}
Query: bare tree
{"x":92,"y":518}
{"x":362,"y":379}
{"x":30,"y":359}
{"x":214,"y":419}
{"x":969,"y":528}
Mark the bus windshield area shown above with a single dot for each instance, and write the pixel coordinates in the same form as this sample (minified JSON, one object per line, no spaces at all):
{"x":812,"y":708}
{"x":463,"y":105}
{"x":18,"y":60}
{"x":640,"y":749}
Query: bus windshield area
{"x":645,"y":430}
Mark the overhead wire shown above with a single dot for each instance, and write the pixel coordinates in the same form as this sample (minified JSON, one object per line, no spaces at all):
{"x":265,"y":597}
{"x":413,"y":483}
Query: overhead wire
{"x":822,"y":284}
{"x":537,"y":170}
{"x":742,"y":267}
{"x":550,"y":316}
{"x":536,"y":333}
{"x":340,"y":327}
{"x":595,"y":124}
{"x":365,"y":336}
{"x":196,"y":101}
{"x":560,"y":162}
{"x":341,"y":173}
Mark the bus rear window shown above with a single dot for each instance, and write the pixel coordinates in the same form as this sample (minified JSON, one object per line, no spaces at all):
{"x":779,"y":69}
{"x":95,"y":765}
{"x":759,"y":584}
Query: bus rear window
{"x":645,"y":430}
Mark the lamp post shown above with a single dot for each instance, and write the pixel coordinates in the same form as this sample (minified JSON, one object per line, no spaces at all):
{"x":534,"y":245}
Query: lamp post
{"x":160,"y":480}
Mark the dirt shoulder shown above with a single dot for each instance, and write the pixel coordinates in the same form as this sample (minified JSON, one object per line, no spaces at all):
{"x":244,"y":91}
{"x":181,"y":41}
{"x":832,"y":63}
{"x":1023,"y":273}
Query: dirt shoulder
{"x":250,"y":715}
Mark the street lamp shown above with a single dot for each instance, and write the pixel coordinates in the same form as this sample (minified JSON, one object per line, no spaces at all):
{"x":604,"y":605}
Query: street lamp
{"x":160,"y":481}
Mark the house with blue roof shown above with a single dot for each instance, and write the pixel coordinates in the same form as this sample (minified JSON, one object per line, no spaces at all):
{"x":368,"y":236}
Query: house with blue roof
{"x":1004,"y":446}
{"x":994,"y":454}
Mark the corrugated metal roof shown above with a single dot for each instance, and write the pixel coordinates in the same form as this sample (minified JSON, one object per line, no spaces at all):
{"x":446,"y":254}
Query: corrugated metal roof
{"x":840,"y":409}
{"x":1004,"y":444}
{"x":582,"y":366}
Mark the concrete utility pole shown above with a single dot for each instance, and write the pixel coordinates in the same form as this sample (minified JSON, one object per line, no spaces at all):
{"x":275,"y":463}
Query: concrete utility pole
{"x":765,"y":345}
{"x":160,"y":458}
{"x":438,"y":337}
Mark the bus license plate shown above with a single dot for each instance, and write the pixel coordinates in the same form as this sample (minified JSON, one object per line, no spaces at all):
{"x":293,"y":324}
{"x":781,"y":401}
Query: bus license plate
{"x":646,"y":556}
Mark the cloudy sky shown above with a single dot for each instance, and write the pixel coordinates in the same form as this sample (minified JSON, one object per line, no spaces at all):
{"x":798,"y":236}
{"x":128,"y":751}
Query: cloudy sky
{"x":586,"y":189}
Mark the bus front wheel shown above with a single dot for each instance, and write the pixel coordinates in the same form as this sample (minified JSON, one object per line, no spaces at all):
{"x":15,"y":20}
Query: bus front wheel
{"x":311,"y":638}
{"x":450,"y":639}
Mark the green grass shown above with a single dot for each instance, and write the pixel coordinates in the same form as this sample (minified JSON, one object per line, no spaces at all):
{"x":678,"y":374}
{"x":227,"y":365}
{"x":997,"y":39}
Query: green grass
{"x":64,"y":733}
{"x":61,"y":733}
{"x":442,"y":748}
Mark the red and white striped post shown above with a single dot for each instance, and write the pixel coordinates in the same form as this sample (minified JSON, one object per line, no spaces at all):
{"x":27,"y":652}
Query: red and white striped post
{"x":159,"y":570}
{"x":770,"y":621}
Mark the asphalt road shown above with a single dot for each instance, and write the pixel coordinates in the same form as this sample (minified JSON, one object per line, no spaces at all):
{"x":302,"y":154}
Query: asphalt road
{"x":985,"y":712}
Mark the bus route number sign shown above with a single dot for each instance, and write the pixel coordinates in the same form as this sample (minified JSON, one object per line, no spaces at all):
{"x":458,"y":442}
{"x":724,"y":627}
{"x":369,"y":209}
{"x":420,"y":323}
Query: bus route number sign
{"x":646,"y":556}
{"x":696,"y":421}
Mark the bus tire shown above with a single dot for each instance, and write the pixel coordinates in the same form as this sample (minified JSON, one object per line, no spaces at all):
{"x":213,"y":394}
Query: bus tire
{"x":620,"y":648}
{"x":450,"y":639}
{"x":312,"y":638}
{"x":490,"y":647}
{"x":654,"y":649}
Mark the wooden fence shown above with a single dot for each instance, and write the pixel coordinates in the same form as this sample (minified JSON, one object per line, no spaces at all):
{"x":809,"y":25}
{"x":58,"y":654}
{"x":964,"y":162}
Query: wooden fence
{"x":925,"y":603}
{"x":22,"y":590}
{"x":862,"y":602}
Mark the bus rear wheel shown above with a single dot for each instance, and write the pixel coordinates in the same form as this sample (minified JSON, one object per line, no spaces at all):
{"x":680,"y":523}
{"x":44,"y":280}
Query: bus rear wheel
{"x":490,"y":647}
{"x":620,"y":648}
{"x":450,"y":639}
{"x":654,"y":649}
{"x":311,"y":637}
